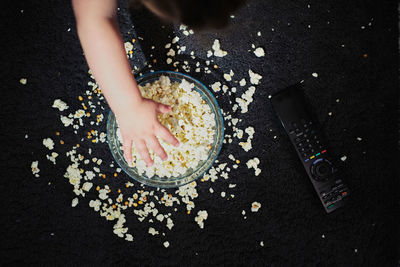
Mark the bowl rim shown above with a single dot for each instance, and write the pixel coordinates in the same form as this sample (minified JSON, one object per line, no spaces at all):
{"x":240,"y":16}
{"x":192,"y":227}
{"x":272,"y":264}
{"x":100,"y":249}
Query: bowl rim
{"x":174,"y":185}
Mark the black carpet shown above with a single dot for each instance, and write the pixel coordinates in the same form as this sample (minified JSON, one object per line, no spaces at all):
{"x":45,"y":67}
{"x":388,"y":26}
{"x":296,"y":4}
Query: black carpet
{"x":351,"y":45}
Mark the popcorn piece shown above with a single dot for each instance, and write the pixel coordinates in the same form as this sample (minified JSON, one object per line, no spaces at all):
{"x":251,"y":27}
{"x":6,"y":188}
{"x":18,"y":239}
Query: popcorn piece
{"x":201,"y":216}
{"x":48,"y":142}
{"x":242,"y":82}
{"x":246,"y":99}
{"x":315,"y":75}
{"x":35,"y":168}
{"x":166,"y":244}
{"x":128,"y":237}
{"x":343,"y":158}
{"x":87,"y":186}
{"x":23,"y":81}
{"x":153,"y":231}
{"x":259,"y":52}
{"x":247,"y":145}
{"x":255,"y":206}
{"x":74,"y":202}
{"x":60,"y":105}
{"x":254,"y":77}
{"x":66,"y":121}
{"x":216,"y":86}
{"x":128,"y":47}
{"x":253,"y":163}
{"x":228,"y":77}
{"x":217,"y":49}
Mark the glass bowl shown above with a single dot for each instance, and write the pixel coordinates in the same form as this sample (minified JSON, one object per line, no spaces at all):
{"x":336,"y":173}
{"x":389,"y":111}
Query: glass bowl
{"x":191,"y":174}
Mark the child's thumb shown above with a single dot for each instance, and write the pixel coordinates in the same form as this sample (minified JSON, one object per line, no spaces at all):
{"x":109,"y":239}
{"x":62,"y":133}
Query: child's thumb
{"x":163,"y":108}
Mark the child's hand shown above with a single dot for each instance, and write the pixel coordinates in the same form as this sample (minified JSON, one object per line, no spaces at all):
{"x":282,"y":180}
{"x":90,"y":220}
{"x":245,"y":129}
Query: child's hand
{"x":141,"y":126}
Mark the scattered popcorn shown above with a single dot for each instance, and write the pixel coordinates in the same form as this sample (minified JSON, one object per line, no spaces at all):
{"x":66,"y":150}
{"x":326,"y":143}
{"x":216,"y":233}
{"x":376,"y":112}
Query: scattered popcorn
{"x":52,"y":157}
{"x":217,"y":49}
{"x":60,"y":105}
{"x":153,"y":231}
{"x":246,"y":98}
{"x":255,"y":206}
{"x":228,"y":77}
{"x":254,"y":77}
{"x":87,"y":186}
{"x":201,"y":216}
{"x":216,"y":86}
{"x":66,"y":121}
{"x":74,"y":202}
{"x":175,"y":40}
{"x":128,"y":237}
{"x":253,"y":163}
{"x":35,"y":168}
{"x":48,"y":142}
{"x":23,"y":81}
{"x":247,"y":145}
{"x":315,"y":75}
{"x":259,"y":52}
{"x":128,"y":47}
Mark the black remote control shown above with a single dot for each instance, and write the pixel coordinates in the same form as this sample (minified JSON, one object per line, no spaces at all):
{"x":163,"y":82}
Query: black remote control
{"x":304,"y":132}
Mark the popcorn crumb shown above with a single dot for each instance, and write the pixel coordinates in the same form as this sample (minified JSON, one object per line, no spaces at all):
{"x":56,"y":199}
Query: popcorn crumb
{"x":60,"y":105}
{"x":253,"y":163}
{"x":262,"y":243}
{"x":74,"y":202}
{"x":201,"y":216}
{"x":35,"y":168}
{"x":259,"y":52}
{"x":343,"y":158}
{"x":218,"y":52}
{"x":166,"y":244}
{"x":23,"y":81}
{"x":48,"y":142}
{"x":128,"y":237}
{"x":315,"y":75}
{"x":254,"y":77}
{"x":128,"y":47}
{"x":153,"y":231}
{"x":255,"y":206}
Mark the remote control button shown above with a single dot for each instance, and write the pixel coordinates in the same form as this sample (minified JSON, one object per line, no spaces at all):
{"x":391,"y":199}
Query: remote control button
{"x":321,"y":170}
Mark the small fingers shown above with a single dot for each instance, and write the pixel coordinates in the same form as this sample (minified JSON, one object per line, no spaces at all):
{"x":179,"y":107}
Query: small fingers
{"x":165,"y":134}
{"x":144,"y":152}
{"x":157,"y":148}
{"x":163,"y":108}
{"x":127,"y":147}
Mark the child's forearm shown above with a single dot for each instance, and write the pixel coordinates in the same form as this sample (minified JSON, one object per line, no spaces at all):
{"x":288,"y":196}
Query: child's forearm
{"x":106,"y":56}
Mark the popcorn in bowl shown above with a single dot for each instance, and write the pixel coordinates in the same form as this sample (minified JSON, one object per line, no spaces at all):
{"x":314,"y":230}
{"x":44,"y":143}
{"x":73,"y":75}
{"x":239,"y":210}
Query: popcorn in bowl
{"x":190,"y":120}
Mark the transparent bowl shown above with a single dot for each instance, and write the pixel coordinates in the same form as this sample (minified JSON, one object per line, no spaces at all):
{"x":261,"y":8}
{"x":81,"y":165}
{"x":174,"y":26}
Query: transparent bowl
{"x":191,"y":174}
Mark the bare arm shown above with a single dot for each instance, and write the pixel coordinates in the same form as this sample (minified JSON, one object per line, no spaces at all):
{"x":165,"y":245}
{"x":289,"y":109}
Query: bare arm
{"x":105,"y":53}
